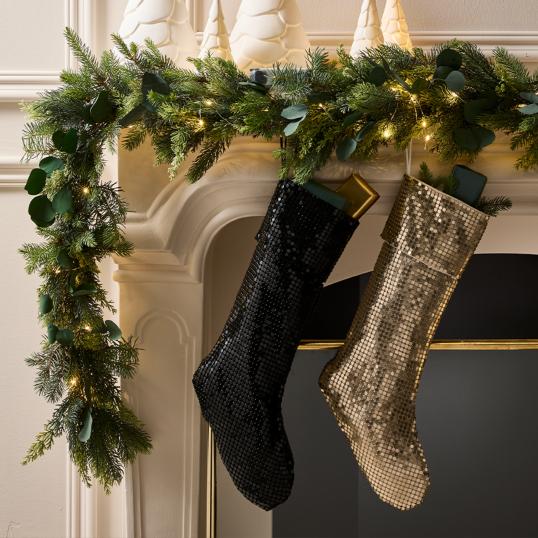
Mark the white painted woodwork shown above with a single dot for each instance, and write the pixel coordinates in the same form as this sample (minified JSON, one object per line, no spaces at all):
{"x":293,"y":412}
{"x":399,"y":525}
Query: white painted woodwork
{"x":193,"y":244}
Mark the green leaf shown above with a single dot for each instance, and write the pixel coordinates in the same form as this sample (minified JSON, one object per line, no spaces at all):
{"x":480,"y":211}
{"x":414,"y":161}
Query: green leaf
{"x":291,"y":127}
{"x":529,"y":110}
{"x":51,"y":164}
{"x":64,"y":260}
{"x":102,"y":108}
{"x":362,"y":133}
{"x":36,"y":181}
{"x":530,"y":97}
{"x":449,"y":58}
{"x":420,"y":85}
{"x":377,"y":75}
{"x":65,"y":337}
{"x":473,"y":138}
{"x":295,"y":112}
{"x":84,"y":289}
{"x":63,"y":201}
{"x":86,"y":430}
{"x":476,"y":107}
{"x":52,"y":331}
{"x":136,"y":114}
{"x":114,"y":332}
{"x":41,"y":211}
{"x":442,"y":72}
{"x":455,"y":81}
{"x":254,"y":85}
{"x":154,"y":82}
{"x":345,"y":148}
{"x":65,"y":141}
{"x":350,"y":119}
{"x":45,"y":304}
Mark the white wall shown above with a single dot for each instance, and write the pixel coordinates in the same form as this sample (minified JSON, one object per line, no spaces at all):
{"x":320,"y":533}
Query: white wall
{"x":44,"y":499}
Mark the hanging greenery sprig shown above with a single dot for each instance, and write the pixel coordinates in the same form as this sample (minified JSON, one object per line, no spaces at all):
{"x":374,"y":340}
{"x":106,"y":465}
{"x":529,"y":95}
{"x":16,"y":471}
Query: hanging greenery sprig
{"x":454,"y":98}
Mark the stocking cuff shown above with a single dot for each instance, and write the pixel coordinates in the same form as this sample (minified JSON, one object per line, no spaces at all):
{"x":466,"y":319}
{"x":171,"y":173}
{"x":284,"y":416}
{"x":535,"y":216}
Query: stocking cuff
{"x":434,"y":228}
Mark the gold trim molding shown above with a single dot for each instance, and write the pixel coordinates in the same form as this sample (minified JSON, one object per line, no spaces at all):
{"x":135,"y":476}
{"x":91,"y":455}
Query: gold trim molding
{"x":483,"y":345}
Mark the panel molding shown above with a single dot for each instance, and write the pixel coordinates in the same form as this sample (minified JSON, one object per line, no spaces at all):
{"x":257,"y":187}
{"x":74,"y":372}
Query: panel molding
{"x":26,"y":85}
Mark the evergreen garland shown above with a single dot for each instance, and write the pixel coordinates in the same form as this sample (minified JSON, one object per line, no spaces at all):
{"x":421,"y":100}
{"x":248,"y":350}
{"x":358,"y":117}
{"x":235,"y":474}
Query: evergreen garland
{"x":454,"y":97}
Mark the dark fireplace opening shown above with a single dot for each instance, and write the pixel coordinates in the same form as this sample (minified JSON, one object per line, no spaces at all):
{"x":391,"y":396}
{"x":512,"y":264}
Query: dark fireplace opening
{"x":475,"y":414}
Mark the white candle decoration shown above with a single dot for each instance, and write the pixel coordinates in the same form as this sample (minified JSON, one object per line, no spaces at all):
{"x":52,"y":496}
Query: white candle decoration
{"x":394,"y":25}
{"x":166,"y":23}
{"x":368,"y":33}
{"x":266,"y":32}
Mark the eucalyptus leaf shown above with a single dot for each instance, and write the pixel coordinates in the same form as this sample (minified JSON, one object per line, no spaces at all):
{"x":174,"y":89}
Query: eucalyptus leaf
{"x":295,"y":112}
{"x":377,"y":75}
{"x":65,"y":337}
{"x":419,"y":85}
{"x":41,"y":211}
{"x":345,"y":148}
{"x":45,"y":304}
{"x":64,"y":260}
{"x":442,"y":72}
{"x":36,"y":181}
{"x":350,"y":119}
{"x":51,"y":164}
{"x":470,"y":184}
{"x":86,"y":430}
{"x":365,"y":128}
{"x":52,"y":331}
{"x":84,"y":289}
{"x":473,"y":138}
{"x":155,"y":83}
{"x":63,"y":201}
{"x":102,"y":108}
{"x":530,"y":97}
{"x":65,"y":141}
{"x":114,"y":332}
{"x":529,"y":110}
{"x":291,"y":127}
{"x":449,"y":58}
{"x":137,"y":113}
{"x":473,"y":109}
{"x":455,"y":81}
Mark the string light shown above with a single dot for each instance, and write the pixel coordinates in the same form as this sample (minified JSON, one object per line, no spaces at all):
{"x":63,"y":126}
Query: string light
{"x":85,"y":191}
{"x":413,"y":98}
{"x":87,"y":328}
{"x":424,"y":123}
{"x":73,"y":382}
{"x":201,"y":122}
{"x":387,"y":133}
{"x":208,"y":102}
{"x":427,"y":138}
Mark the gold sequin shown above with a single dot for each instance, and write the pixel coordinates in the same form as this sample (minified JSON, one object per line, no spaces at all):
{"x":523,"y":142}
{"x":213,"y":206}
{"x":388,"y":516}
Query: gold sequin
{"x":371,"y":384}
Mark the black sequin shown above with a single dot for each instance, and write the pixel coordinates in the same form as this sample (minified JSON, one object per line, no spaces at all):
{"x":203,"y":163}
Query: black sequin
{"x":240,"y":384}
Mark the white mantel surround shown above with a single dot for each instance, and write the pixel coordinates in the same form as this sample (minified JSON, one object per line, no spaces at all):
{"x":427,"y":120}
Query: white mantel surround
{"x":166,"y":298}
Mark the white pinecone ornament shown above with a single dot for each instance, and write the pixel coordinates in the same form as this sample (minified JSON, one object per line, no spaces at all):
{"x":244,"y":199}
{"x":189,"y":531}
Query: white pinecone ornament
{"x":394,"y":25}
{"x":266,"y":32}
{"x":166,"y":23}
{"x":368,"y":33}
{"x":215,"y":40}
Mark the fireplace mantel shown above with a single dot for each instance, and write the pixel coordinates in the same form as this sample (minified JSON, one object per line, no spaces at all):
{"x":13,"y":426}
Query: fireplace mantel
{"x":166,"y":299}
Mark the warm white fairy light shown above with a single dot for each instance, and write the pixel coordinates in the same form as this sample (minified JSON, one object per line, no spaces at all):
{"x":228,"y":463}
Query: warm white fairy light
{"x":85,"y":191}
{"x":387,"y":133}
{"x":424,"y":123}
{"x":201,"y":122}
{"x":73,"y":382}
{"x":87,"y":328}
{"x":209,"y":102}
{"x":427,"y":138}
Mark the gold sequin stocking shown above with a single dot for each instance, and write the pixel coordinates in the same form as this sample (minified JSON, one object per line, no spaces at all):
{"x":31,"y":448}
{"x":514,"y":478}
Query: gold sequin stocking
{"x":371,"y":384}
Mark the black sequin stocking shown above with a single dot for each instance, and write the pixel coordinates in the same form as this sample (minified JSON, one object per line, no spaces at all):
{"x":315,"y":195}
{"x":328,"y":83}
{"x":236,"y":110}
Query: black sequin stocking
{"x":240,"y":384}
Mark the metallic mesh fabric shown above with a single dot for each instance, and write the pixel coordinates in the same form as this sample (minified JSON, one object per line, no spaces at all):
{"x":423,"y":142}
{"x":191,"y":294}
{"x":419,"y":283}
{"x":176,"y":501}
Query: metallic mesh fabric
{"x":371,"y":384}
{"x":241,"y":382}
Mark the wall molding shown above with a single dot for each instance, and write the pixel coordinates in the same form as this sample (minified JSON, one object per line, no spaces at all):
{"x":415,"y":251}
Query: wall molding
{"x":13,"y":172}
